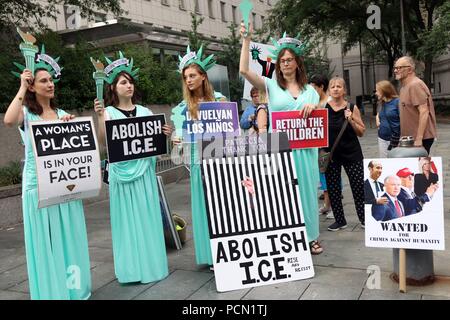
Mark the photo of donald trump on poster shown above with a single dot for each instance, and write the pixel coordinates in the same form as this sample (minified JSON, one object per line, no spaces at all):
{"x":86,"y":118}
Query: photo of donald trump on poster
{"x":404,"y":203}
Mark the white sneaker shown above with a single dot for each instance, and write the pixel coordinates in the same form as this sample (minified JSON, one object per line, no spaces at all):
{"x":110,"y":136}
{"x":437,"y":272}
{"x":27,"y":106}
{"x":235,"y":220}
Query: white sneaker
{"x":330,"y":215}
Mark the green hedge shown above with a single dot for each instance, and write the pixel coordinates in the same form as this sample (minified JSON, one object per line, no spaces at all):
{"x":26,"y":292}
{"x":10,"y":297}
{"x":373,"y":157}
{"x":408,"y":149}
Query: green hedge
{"x":11,"y":174}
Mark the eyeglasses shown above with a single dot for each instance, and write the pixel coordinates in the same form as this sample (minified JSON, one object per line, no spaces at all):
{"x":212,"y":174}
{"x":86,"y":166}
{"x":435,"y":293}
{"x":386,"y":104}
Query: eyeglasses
{"x":288,"y":61}
{"x":399,"y":67}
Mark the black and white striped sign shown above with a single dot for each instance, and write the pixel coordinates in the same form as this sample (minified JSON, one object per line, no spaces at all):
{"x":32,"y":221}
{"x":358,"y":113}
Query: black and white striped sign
{"x":255,"y":217}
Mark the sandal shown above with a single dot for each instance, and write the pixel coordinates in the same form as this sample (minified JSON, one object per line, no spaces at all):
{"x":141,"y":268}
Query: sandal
{"x":315,"y":247}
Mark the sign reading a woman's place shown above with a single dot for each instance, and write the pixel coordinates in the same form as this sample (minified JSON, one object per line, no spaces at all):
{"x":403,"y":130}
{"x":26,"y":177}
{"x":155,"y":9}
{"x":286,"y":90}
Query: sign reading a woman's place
{"x":67,"y":160}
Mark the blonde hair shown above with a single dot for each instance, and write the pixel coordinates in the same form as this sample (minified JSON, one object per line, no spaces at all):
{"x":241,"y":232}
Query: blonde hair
{"x":188,"y":96}
{"x":387,"y":90}
{"x":422,"y":161}
{"x":262,"y":97}
{"x":335,"y":79}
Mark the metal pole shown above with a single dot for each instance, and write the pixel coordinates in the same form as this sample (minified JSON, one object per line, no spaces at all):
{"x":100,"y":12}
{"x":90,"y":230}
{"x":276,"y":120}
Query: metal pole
{"x":403,"y":28}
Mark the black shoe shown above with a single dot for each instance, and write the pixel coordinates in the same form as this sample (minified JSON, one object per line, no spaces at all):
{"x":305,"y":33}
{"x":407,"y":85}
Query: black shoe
{"x":363,"y":225}
{"x":337,"y":226}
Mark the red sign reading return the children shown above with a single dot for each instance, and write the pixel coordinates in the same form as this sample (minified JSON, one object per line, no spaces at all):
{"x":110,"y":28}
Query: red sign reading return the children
{"x":310,"y":132}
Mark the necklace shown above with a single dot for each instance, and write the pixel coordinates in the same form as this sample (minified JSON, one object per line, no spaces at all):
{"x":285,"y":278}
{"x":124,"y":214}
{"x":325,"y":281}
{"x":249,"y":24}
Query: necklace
{"x":128,"y":113}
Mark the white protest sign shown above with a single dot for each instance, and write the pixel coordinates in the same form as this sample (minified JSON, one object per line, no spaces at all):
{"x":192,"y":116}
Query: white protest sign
{"x":256,"y":223}
{"x":411,"y":216}
{"x":67,"y":160}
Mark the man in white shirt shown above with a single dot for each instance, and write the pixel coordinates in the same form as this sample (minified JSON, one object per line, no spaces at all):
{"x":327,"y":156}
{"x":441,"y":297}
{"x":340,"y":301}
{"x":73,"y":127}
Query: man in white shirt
{"x":373,"y":189}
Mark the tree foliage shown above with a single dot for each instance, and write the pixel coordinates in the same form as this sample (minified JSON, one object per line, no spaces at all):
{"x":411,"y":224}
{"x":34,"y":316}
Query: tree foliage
{"x":158,"y":83}
{"x":195,"y":38}
{"x":426,"y":25}
{"x":33,"y":13}
{"x":229,"y":56}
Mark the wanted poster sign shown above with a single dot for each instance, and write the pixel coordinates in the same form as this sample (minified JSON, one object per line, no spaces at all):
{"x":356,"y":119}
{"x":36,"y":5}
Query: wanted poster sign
{"x":214,"y":119}
{"x":255,"y":217}
{"x":135,"y":138}
{"x":310,"y":132}
{"x":67,"y":160}
{"x":404,"y":205}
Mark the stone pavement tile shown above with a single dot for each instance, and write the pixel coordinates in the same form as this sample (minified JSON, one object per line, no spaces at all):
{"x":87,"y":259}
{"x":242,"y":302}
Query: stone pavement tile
{"x":100,"y":238}
{"x":13,"y":258}
{"x":209,"y":292}
{"x":12,"y":237}
{"x":374,"y":294}
{"x":116,"y":291}
{"x":100,"y":254}
{"x":179,"y":285}
{"x":21,"y":287}
{"x":102,"y":274}
{"x":343,"y":250}
{"x":339,"y":277}
{"x":427,"y":297}
{"x":280,"y":291}
{"x":326,"y":292}
{"x":441,"y":286}
{"x":13,"y":277}
{"x":8,"y":295}
{"x":184,"y":259}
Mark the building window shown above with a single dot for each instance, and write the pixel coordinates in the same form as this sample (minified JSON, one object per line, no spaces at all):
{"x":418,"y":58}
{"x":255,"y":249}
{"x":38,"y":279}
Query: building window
{"x":347,"y":81}
{"x":440,"y":89}
{"x":165,"y":2}
{"x":222,"y":11}
{"x":233,"y":14}
{"x":262,"y":21}
{"x":254,"y":20}
{"x":210,"y":9}
{"x":197,"y":7}
{"x":181,"y":5}
{"x":99,"y":17}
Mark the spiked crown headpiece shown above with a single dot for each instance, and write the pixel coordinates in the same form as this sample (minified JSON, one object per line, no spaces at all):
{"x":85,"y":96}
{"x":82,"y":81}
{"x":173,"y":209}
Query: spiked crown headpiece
{"x":117,"y":66}
{"x":43,"y":61}
{"x":295,"y":44}
{"x":193,"y":57}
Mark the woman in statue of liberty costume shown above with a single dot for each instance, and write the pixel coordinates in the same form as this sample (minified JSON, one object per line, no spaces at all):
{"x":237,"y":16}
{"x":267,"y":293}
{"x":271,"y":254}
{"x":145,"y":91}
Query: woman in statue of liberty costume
{"x":196,"y":89}
{"x":56,"y":241}
{"x":290,"y":91}
{"x":137,"y":230}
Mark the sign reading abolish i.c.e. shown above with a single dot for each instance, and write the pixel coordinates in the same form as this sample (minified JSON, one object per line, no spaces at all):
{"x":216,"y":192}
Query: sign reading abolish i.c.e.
{"x":135,"y":138}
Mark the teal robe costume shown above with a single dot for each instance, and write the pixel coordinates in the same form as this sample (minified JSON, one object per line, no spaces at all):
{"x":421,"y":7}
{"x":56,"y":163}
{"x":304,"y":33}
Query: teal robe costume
{"x":56,"y":241}
{"x":199,"y":216}
{"x":136,"y":223}
{"x":306,"y":160}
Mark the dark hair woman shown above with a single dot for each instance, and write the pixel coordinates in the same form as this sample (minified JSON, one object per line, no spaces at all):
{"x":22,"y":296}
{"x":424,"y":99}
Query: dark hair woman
{"x":55,"y":236}
{"x":136,"y":222}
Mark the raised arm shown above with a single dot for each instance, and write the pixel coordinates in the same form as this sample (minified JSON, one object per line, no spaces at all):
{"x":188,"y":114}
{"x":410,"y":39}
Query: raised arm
{"x":14,"y":114}
{"x":100,"y":110}
{"x":256,"y":80}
